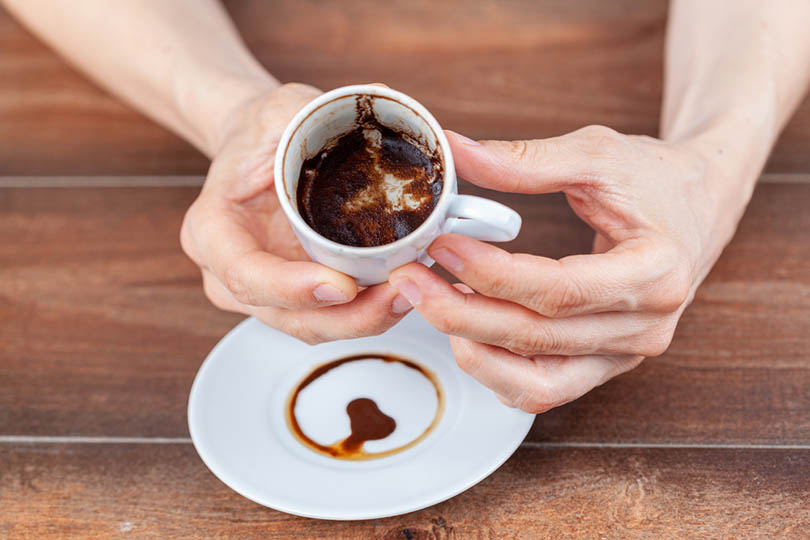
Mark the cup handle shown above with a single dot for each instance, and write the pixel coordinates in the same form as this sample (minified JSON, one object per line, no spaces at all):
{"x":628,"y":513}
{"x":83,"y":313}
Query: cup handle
{"x":483,"y":219}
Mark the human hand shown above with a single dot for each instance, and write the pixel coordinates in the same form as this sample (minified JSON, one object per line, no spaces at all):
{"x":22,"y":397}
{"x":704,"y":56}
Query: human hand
{"x":541,"y":332}
{"x":251,"y":261}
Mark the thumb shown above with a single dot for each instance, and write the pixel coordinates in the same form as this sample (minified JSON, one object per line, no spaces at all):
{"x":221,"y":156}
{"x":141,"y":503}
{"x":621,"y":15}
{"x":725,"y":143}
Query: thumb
{"x":534,"y":166}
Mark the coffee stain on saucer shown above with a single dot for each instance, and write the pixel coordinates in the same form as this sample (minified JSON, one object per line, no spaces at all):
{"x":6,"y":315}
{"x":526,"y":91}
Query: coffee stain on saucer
{"x":368,"y":422}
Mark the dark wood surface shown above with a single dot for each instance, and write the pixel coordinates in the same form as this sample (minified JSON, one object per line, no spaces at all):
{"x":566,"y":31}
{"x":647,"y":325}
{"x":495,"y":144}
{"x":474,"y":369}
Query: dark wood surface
{"x":164,"y":491}
{"x":103,"y":326}
{"x":518,"y":69}
{"x":103,"y":322}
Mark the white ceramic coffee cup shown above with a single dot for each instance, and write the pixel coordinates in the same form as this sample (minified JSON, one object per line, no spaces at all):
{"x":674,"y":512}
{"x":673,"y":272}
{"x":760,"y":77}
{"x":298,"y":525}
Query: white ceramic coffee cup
{"x":335,"y":113}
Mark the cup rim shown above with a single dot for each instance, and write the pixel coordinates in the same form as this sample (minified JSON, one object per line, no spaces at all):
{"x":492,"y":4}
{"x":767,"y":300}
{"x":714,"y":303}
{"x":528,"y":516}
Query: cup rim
{"x":302,"y":227}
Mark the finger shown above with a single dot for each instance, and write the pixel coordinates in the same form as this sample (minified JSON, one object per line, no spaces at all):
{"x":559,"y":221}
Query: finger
{"x":372,"y":312}
{"x":258,"y":278}
{"x":520,"y":330}
{"x":379,"y":84}
{"x":638,"y":275}
{"x":538,"y":166}
{"x":540,"y":383}
{"x":220,"y":296}
{"x":505,"y":401}
{"x":463,"y":288}
{"x":369,"y":314}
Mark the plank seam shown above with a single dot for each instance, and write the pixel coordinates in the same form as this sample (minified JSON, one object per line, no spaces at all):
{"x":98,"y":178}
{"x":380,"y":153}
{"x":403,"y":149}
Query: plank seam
{"x":664,"y":445}
{"x":123,"y":181}
{"x":70,"y":439}
{"x":26,"y":182}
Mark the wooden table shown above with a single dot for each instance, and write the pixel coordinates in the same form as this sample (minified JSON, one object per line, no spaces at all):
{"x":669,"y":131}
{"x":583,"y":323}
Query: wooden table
{"x":103,"y":322}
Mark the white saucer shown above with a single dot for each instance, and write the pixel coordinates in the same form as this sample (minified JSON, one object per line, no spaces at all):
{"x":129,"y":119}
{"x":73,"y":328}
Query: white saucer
{"x":236,"y":415}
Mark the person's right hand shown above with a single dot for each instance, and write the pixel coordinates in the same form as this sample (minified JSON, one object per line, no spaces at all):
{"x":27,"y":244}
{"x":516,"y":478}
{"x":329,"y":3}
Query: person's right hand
{"x":251,"y":261}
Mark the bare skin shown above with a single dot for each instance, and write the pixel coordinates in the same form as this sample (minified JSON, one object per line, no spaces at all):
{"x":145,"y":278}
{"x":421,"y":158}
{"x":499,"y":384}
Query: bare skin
{"x":250,"y":259}
{"x":542,"y":332}
{"x":182,"y":63}
{"x":538,"y":332}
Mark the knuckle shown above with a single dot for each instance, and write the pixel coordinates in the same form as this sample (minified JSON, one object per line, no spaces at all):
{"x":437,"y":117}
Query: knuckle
{"x":564,"y":296}
{"x":446,"y":323}
{"x":537,"y":400}
{"x":673,"y":290}
{"x":300,"y":330}
{"x":523,"y":345}
{"x":539,"y":340}
{"x":186,"y":235}
{"x":600,"y":140}
{"x":300,"y":89}
{"x":632,"y":363}
{"x":214,"y":296}
{"x":647,"y":139}
{"x":498,"y":285}
{"x":234,"y":282}
{"x":657,"y":343}
{"x":467,"y":361}
{"x":535,"y":406}
{"x":678,"y":286}
{"x":656,"y":346}
{"x":368,"y":326}
{"x":520,"y":150}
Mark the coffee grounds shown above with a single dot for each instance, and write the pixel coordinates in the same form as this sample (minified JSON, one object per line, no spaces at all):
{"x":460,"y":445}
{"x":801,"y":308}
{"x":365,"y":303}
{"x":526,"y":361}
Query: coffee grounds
{"x":370,"y":186}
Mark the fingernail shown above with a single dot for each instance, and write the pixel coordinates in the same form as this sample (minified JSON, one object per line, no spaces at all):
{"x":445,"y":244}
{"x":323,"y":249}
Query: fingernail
{"x":466,"y":140}
{"x":448,"y":259}
{"x":463,"y":288}
{"x":409,"y":290}
{"x":400,"y":305}
{"x":328,"y":293}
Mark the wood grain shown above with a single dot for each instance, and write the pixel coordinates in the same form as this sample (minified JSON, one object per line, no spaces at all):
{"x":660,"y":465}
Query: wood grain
{"x":102,"y":317}
{"x":164,"y":491}
{"x":103,"y":323}
{"x":515,"y":69}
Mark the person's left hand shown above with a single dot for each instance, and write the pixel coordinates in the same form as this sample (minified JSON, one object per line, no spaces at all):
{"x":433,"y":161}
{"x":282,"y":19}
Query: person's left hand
{"x":541,"y":332}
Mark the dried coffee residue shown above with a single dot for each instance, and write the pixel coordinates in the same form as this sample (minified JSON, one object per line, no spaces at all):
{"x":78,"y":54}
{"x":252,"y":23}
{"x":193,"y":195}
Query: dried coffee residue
{"x":370,"y":186}
{"x":368,"y":422}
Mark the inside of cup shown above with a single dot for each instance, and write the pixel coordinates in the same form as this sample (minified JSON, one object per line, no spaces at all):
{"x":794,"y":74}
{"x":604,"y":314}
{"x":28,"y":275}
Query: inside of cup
{"x":339,"y":116}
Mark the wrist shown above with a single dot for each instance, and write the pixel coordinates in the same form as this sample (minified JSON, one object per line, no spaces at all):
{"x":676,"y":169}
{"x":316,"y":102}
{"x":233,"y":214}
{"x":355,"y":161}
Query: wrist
{"x":730,"y":153}
{"x":268,"y":107}
{"x":734,"y":148}
{"x":209,"y":109}
{"x":726,"y":108}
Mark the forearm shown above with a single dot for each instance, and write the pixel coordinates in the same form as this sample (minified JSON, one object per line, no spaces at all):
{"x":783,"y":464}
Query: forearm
{"x":181,"y":62}
{"x":735,"y":72}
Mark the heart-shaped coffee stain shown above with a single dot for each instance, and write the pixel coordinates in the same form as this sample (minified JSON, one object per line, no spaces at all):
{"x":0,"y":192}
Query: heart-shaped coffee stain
{"x":368,"y":422}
